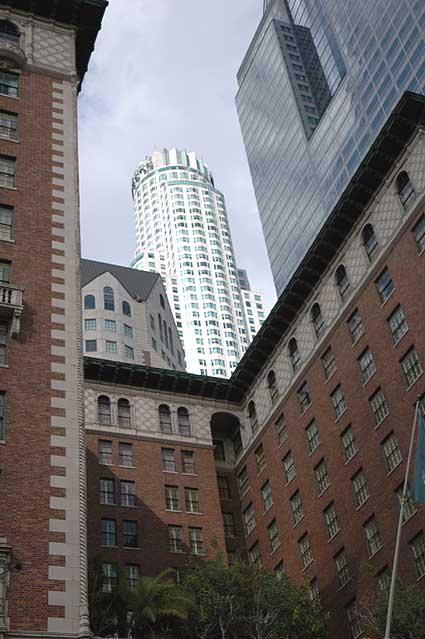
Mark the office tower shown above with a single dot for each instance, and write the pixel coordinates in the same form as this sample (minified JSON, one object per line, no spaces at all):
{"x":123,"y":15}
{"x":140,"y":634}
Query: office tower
{"x":253,"y":305}
{"x":127,"y":317}
{"x":183,"y":233}
{"x":45,"y":47}
{"x":315,"y":87}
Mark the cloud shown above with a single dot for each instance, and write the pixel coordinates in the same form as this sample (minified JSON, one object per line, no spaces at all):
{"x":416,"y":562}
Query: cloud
{"x":163,"y":74}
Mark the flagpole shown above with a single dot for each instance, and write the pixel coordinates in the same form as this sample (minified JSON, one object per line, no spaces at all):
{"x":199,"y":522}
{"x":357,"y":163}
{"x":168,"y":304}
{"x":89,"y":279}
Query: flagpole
{"x":400,"y":523}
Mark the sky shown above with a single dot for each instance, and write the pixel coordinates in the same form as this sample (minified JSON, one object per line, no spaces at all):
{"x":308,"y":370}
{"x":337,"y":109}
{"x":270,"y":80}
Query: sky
{"x":163,"y":74}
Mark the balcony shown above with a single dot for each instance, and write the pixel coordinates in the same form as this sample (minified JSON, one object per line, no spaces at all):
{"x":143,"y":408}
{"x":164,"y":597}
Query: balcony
{"x":11,"y":305}
{"x":10,"y":48}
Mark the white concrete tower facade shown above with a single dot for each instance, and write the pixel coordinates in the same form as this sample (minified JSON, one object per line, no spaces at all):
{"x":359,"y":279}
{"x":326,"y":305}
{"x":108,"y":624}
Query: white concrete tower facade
{"x":183,"y":233}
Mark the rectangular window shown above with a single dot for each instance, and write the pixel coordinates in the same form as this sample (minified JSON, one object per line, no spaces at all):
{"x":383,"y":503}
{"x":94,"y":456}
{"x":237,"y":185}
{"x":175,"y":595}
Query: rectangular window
{"x":360,"y":488}
{"x":392,"y":452}
{"x":152,"y":322}
{"x":168,"y":460}
{"x":266,"y":493}
{"x":260,"y":459}
{"x":154,"y":344}
{"x":196,"y":541}
{"x":373,"y":538}
{"x":322,"y":478}
{"x":223,"y":487}
{"x":418,"y":549}
{"x":5,"y":272}
{"x":105,"y":452}
{"x":384,"y":580}
{"x":128,"y":331}
{"x":409,"y":504}
{"x":129,"y":529}
{"x":172,"y":498}
{"x":4,"y":335}
{"x":111,"y":347}
{"x":314,"y":595}
{"x":281,"y":431}
{"x":6,"y":223}
{"x":349,"y":445}
{"x":313,"y":438}
{"x":384,"y":285}
{"x":175,"y":538}
{"x":243,"y":481}
{"x":229,"y":525}
{"x":108,"y":532}
{"x":254,"y":555}
{"x":397,"y":324}
{"x":8,"y":125}
{"x":249,"y":519}
{"x":219,"y":454}
{"x":366,"y":365}
{"x":2,"y":415}
{"x":419,"y":234}
{"x":305,"y":551}
{"x":110,"y":325}
{"x":7,"y":172}
{"x":304,"y":397}
{"x":338,"y":401}
{"x":90,"y":324}
{"x":192,"y":500}
{"x":379,"y":406}
{"x":109,"y":577}
{"x":328,"y":363}
{"x":288,"y":467}
{"x":237,"y":443}
{"x":128,"y":493}
{"x":91,"y":345}
{"x":331,"y":520}
{"x":411,"y":366}
{"x":273,"y":534}
{"x":355,"y":326}
{"x":9,"y":84}
{"x":129,"y":351}
{"x":107,"y":491}
{"x":133,"y":575}
{"x":125,"y":454}
{"x":297,"y":507}
{"x":188,"y":462}
{"x":353,"y":620}
{"x":341,"y":568}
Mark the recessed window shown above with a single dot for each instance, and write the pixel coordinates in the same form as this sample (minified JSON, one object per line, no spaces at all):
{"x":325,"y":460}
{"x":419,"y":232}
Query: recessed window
{"x":411,"y":366}
{"x":9,"y":84}
{"x":229,"y":525}
{"x":373,"y":537}
{"x":128,"y":493}
{"x":342,"y":281}
{"x":105,"y":452}
{"x":223,"y":488}
{"x":126,"y":309}
{"x":353,"y":620}
{"x":237,"y":443}
{"x":273,"y":535}
{"x":129,"y":351}
{"x":91,"y":345}
{"x":331,"y":521}
{"x":110,"y":326}
{"x":349,"y":445}
{"x":164,"y":418}
{"x":243,"y":481}
{"x":418,"y":550}
{"x":410,"y":507}
{"x":266,"y":493}
{"x":405,"y":190}
{"x":192,"y":500}
{"x":6,"y":222}
{"x":260,"y":458}
{"x":124,"y":418}
{"x":104,"y":409}
{"x":4,"y":336}
{"x":379,"y":406}
{"x":133,"y":575}
{"x":254,"y":555}
{"x":355,"y":326}
{"x":249,"y":519}
{"x":297,"y":507}
{"x":317,"y":320}
{"x":272,"y":386}
{"x":109,"y":577}
{"x":128,"y":331}
{"x":8,"y":125}
{"x":129,"y":529}
{"x":304,"y":400}
{"x":252,"y":416}
{"x":188,"y":462}
{"x":183,"y":421}
{"x":161,"y":301}
{"x":90,"y":325}
{"x":305,"y":551}
{"x":384,"y":285}
{"x":111,"y":347}
{"x":126,"y":454}
{"x":196,"y":541}
{"x":392,"y":453}
{"x":172,"y":498}
{"x":328,"y":363}
{"x":219,"y":452}
{"x":107,"y":491}
{"x":338,"y":401}
{"x":9,"y":33}
{"x":419,"y":234}
{"x":294,"y":354}
{"x":370,"y":242}
{"x":168,"y":460}
{"x":89,"y":302}
{"x":288,"y":467}
{"x":360,"y":488}
{"x":397,"y":324}
{"x":366,"y":365}
{"x":175,"y":539}
{"x":341,"y":568}
{"x":5,"y":272}
{"x":313,"y":438}
{"x":314,"y":595}
{"x":108,"y":299}
{"x":321,"y":475}
{"x":281,"y":430}
{"x":108,"y":532}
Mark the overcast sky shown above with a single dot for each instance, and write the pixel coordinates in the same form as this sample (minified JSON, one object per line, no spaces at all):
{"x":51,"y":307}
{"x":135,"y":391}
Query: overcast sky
{"x":164,"y":74}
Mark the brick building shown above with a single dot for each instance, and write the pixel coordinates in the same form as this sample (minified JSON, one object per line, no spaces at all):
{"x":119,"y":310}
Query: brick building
{"x":310,"y":433}
{"x":45,"y":46}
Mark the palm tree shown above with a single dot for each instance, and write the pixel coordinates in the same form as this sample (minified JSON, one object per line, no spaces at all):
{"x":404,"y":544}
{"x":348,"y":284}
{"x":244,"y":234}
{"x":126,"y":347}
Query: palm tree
{"x":154,"y":600}
{"x":108,"y":606}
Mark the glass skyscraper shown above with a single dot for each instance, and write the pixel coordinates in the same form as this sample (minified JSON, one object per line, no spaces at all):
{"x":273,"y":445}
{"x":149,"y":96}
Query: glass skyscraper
{"x":316,"y":85}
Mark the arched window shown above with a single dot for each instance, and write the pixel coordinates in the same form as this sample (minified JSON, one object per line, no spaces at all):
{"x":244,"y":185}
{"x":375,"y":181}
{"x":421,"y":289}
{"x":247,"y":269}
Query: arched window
{"x":252,"y":416}
{"x":164,"y":418}
{"x":104,"y":409}
{"x":294,"y":354}
{"x":341,"y":280}
{"x":405,"y":190}
{"x":161,"y":300}
{"x":124,"y":413}
{"x":370,"y":242}
{"x":317,"y":319}
{"x":9,"y":32}
{"x":89,"y":302}
{"x":272,"y":386}
{"x":183,"y":420}
{"x":126,"y":309}
{"x":108,"y":299}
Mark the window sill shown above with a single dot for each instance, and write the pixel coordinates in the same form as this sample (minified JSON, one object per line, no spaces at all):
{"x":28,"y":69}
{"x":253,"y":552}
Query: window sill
{"x":376,"y":552}
{"x":4,"y":239}
{"x":334,"y":535}
{"x":272,"y":552}
{"x":171,"y":510}
{"x":4,"y":365}
{"x":405,"y":521}
{"x":368,"y":379}
{"x":381,"y":422}
{"x":324,"y":490}
{"x":128,"y":505}
{"x":2,"y":441}
{"x":245,"y":492}
{"x":123,"y":466}
{"x":340,"y":416}
{"x":298,"y":522}
{"x":363,"y":503}
{"x":4,"y":137}
{"x":176,"y":552}
{"x":247,"y":534}
{"x":267,"y":510}
{"x":131,"y":547}
{"x":102,"y":503}
{"x":388,"y":298}
{"x":400,"y":339}
{"x":356,"y":341}
{"x":189,"y":512}
{"x":309,"y":564}
{"x":9,"y":188}
{"x":171,"y":472}
{"x":394,"y":469}
{"x":190,"y":474}
{"x":259,"y":472}
{"x":314,"y":450}
{"x":104,"y":546}
{"x":343,"y":585}
{"x":413,"y":383}
{"x":303,"y":412}
{"x":329,"y":377}
{"x":290,"y":480}
{"x":351,"y":458}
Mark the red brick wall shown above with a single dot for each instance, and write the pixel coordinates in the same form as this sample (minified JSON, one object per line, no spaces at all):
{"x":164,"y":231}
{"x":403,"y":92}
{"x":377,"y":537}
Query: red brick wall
{"x":25,"y":456}
{"x":150,"y":512}
{"x":407,"y":269}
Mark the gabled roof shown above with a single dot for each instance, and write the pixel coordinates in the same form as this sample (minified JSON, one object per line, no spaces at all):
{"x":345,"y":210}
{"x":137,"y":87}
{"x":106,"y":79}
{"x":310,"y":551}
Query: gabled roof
{"x":85,"y":15}
{"x":138,"y":284}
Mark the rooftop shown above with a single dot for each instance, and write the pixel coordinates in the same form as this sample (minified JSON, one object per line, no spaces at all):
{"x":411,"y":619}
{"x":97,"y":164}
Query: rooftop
{"x":138,"y":284}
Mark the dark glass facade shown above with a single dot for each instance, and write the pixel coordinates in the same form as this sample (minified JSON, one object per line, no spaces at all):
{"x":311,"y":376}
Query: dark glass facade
{"x":318,"y":82}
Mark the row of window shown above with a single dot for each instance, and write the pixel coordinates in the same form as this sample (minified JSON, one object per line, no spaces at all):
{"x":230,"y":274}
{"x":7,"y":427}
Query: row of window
{"x":109,"y":325}
{"x":107,"y":495}
{"x":104,"y":415}
{"x":126,"y":457}
{"x":108,"y":302}
{"x":111,"y":346}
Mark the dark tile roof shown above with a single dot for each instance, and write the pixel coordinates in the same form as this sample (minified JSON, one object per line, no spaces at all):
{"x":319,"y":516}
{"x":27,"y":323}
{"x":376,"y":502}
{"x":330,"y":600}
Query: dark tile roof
{"x":138,"y":284}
